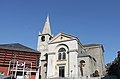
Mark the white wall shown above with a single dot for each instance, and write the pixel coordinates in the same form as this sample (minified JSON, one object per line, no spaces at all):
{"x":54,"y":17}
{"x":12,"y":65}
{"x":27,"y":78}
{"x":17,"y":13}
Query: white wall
{"x":51,"y":66}
{"x":72,"y":49}
{"x":98,"y":54}
{"x":73,"y":65}
{"x":87,"y":68}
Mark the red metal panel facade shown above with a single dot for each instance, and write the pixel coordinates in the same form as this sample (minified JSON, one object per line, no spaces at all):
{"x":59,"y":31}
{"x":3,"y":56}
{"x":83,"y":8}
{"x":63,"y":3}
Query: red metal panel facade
{"x":21,"y":56}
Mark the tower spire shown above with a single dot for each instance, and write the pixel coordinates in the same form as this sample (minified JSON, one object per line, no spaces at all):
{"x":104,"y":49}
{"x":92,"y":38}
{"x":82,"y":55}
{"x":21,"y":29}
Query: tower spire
{"x":46,"y":29}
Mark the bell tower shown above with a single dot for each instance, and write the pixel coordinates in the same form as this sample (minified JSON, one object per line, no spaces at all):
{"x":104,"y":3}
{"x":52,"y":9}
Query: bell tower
{"x":43,"y":39}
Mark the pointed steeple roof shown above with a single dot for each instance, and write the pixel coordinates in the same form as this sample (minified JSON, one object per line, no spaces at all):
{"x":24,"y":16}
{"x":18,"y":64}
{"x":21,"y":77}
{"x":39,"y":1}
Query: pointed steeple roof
{"x":46,"y":29}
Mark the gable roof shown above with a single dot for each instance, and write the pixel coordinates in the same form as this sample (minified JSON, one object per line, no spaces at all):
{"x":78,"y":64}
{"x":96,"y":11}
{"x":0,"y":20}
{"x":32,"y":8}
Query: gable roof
{"x":18,"y":47}
{"x":63,"y":34}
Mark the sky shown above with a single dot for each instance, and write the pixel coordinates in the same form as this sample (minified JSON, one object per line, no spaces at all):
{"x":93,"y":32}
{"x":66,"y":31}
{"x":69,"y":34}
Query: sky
{"x":92,"y":21}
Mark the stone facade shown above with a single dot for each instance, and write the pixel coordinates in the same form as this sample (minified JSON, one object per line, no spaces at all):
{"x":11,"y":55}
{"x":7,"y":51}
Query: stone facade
{"x":64,"y":56}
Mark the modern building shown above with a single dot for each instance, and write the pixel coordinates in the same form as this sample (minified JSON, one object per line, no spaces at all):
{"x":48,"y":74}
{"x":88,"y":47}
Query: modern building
{"x":18,"y":61}
{"x":63,"y":55}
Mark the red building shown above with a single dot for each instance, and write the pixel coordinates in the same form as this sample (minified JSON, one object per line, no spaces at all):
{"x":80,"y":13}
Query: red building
{"x":19,"y":61}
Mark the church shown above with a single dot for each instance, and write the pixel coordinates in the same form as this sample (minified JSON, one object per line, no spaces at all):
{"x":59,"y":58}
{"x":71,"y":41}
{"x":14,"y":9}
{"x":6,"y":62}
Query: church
{"x":64,"y":56}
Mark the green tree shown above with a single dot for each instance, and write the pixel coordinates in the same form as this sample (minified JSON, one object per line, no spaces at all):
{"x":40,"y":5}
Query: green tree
{"x":114,"y":68}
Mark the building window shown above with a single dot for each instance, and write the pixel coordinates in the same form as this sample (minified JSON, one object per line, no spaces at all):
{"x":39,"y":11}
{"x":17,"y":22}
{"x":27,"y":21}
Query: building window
{"x":64,"y":55}
{"x":43,"y":38}
{"x":82,"y":64}
{"x":61,"y":54}
{"x":61,"y":71}
{"x":82,"y":61}
{"x":50,"y":38}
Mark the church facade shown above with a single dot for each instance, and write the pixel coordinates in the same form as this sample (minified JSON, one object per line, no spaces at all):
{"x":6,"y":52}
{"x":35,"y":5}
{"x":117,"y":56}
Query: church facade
{"x":63,"y":55}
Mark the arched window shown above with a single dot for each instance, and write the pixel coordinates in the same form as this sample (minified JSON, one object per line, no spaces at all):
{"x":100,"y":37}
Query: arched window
{"x":82,"y":64}
{"x":43,"y":38}
{"x":61,"y":54}
{"x":50,"y":38}
{"x":62,"y":50}
{"x":64,"y":55}
{"x":82,"y":61}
